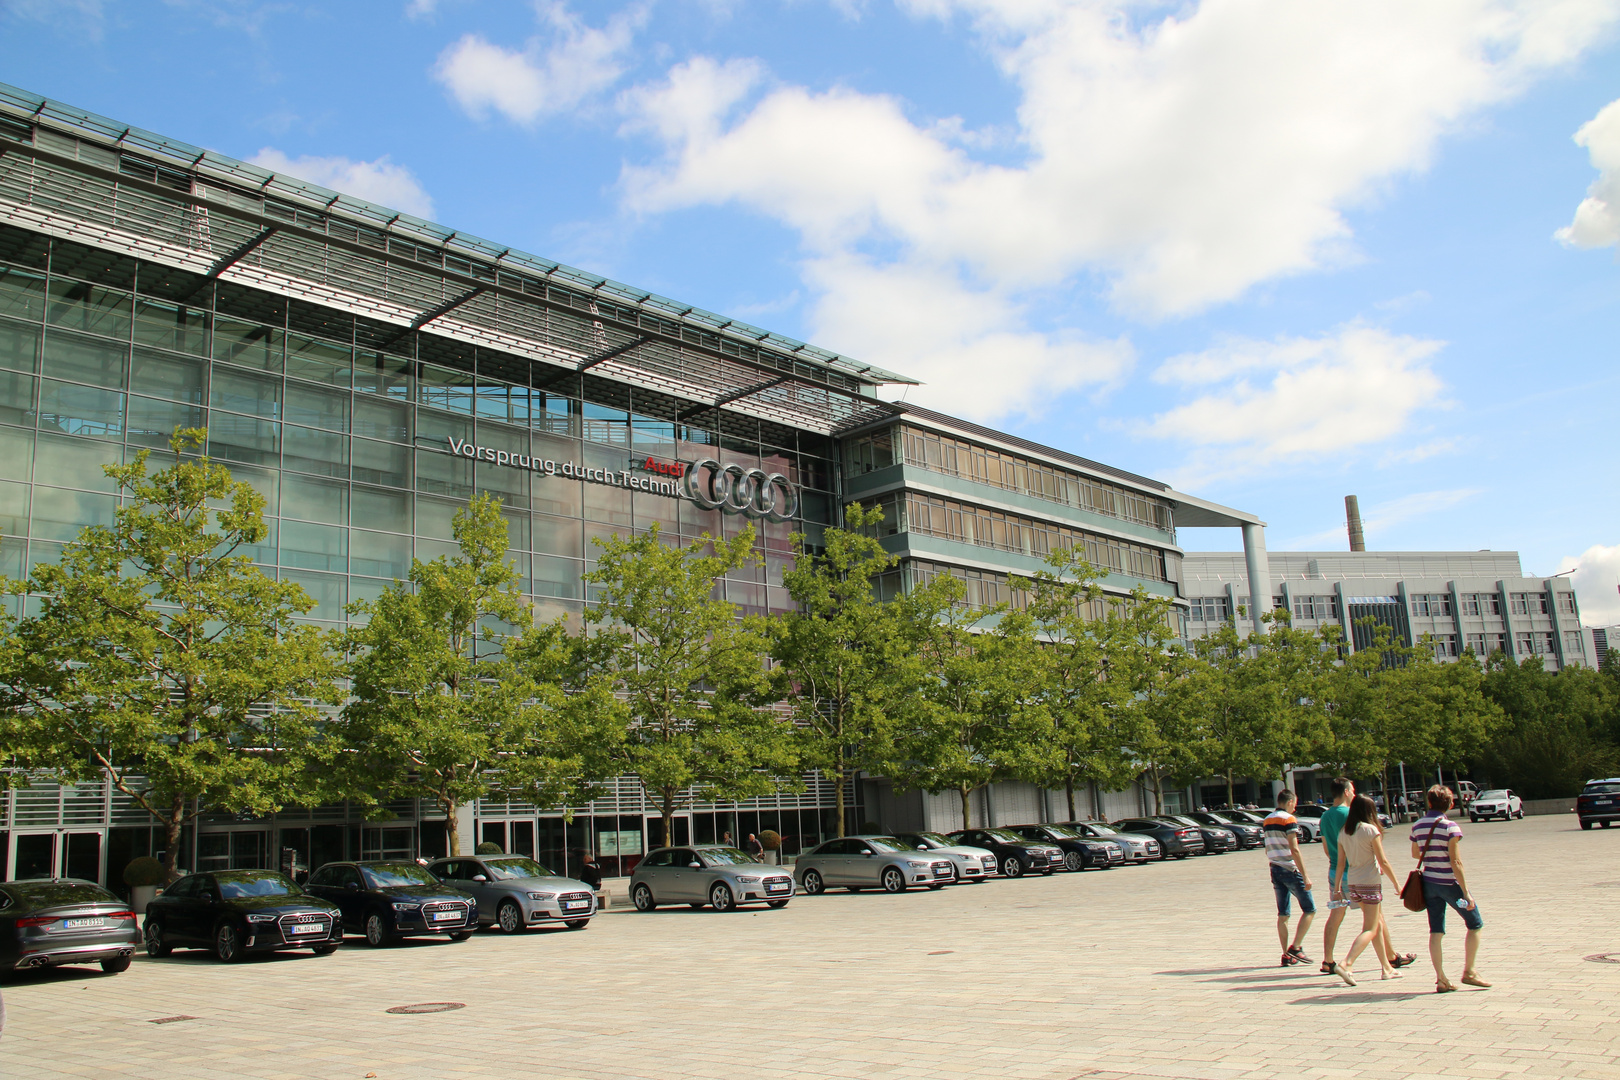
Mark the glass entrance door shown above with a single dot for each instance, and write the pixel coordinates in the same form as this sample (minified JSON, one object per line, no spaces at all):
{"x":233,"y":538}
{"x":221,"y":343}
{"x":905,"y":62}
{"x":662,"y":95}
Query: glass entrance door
{"x":33,"y":855}
{"x":57,"y":853}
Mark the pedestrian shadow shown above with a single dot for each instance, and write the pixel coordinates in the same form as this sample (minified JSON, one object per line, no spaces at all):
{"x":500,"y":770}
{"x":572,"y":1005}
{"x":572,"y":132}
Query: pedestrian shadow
{"x":1215,"y":971}
{"x":1361,"y":997}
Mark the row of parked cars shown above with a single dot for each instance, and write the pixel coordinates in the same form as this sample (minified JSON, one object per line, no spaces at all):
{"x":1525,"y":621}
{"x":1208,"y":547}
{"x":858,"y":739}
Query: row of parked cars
{"x":235,"y":913}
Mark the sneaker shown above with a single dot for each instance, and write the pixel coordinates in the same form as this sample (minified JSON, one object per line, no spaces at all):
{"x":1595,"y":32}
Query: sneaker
{"x":1298,"y":954}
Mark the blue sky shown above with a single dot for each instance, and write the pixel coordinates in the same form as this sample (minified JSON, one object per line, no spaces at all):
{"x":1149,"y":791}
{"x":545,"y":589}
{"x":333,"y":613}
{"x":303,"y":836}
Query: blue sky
{"x":1271,"y":252}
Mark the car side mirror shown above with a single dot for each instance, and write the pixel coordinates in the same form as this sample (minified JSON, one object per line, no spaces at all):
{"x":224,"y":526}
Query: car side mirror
{"x":480,"y":878}
{"x":695,"y":865}
{"x":868,"y":854}
{"x":353,"y":886}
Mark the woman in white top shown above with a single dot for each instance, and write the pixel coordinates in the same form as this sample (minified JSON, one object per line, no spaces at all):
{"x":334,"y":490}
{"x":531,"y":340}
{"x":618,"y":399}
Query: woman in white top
{"x":1361,"y":868}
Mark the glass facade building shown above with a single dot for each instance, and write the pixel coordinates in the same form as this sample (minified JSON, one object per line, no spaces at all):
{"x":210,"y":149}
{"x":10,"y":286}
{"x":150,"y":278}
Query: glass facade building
{"x":368,"y":372}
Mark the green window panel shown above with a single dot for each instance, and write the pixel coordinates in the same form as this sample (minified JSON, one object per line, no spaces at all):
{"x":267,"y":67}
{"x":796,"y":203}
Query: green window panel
{"x":428,"y":550}
{"x":366,"y":589}
{"x":78,"y":306}
{"x":19,"y":346}
{"x":17,"y":397}
{"x":314,"y":406}
{"x":165,"y":375}
{"x":245,"y":439}
{"x":329,"y":591}
{"x":86,"y":359}
{"x":65,"y":461}
{"x":319,"y":361}
{"x":441,"y":474}
{"x":382,"y":508}
{"x":314,"y":499}
{"x":264,"y":552}
{"x":443,"y":388}
{"x":22,"y":294}
{"x":433,"y":518}
{"x":152,"y":422}
{"x":16,"y":453}
{"x":505,"y":482}
{"x":378,"y":554}
{"x":379,"y":418}
{"x":435,"y":429}
{"x":80,"y":410}
{"x":313,"y":451}
{"x":245,"y":392}
{"x":13,"y":510}
{"x":559,"y":536}
{"x":308,"y":546}
{"x":381,"y":463}
{"x":60,"y":514}
{"x":384,"y":375}
{"x":171,"y":326}
{"x":249,"y":344}
{"x":42,"y":553}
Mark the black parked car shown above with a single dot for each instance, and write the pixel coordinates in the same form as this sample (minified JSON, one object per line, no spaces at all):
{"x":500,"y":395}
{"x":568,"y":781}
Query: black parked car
{"x":385,"y":900}
{"x":1598,"y":803}
{"x":235,"y":912}
{"x":1015,"y":855}
{"x":1139,"y":850}
{"x":1248,"y":835}
{"x":1176,"y":841}
{"x":1079,"y":851}
{"x":64,"y":921}
{"x":1218,"y":839}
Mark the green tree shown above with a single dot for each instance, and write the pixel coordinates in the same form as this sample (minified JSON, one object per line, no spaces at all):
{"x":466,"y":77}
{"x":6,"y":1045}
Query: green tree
{"x":441,"y":710}
{"x":1237,"y":702}
{"x":164,"y":660}
{"x":691,"y":674}
{"x":841,"y":658}
{"x":1557,"y":728}
{"x":1294,"y":664}
{"x":1154,"y":722}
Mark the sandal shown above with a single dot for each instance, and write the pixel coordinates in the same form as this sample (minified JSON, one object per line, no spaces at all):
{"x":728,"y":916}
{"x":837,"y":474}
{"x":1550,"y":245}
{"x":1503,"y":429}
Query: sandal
{"x":1403,"y":960}
{"x":1329,"y":967}
{"x":1475,"y":980}
{"x":1444,"y":988}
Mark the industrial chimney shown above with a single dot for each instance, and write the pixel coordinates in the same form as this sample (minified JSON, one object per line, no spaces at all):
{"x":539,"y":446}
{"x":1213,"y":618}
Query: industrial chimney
{"x":1352,"y":514}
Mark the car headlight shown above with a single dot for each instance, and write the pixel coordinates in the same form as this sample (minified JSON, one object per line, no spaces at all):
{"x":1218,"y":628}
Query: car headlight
{"x":404,"y":908}
{"x":915,"y":865}
{"x":259,"y":918}
{"x":542,"y":896}
{"x":745,"y":880}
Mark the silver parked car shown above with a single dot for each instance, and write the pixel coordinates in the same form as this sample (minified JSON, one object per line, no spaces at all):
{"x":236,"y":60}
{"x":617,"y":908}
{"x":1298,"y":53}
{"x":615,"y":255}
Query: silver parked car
{"x":515,"y":892}
{"x":1139,"y":847}
{"x":971,"y":863}
{"x":712,"y":874}
{"x":871,"y":862}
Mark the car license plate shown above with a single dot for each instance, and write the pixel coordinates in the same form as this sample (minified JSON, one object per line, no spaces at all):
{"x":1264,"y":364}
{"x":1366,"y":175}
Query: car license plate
{"x":83,"y":924}
{"x":1601,"y":802}
{"x":446,"y":916}
{"x":776,"y":887}
{"x":575,"y":905}
{"x":307,"y":928}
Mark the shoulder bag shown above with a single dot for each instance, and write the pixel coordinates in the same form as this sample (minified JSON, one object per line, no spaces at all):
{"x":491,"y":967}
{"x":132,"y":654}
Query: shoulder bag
{"x":1412,"y":892}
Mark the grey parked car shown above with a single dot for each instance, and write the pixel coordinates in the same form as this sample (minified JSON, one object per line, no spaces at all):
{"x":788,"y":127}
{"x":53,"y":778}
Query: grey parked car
{"x":712,"y":874}
{"x":515,"y":892}
{"x":972,"y":863}
{"x":1139,"y":847}
{"x":871,"y":862}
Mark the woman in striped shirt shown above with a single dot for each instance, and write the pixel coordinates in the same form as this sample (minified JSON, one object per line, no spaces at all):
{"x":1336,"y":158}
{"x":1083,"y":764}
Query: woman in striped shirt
{"x":1435,"y":842}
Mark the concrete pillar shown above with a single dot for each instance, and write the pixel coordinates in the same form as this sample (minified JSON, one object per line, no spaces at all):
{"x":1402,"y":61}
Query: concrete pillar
{"x":1254,"y":554}
{"x":466,"y":834}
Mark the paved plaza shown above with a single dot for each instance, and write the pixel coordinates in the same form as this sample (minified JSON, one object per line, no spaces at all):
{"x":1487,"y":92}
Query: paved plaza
{"x":1161,"y":971}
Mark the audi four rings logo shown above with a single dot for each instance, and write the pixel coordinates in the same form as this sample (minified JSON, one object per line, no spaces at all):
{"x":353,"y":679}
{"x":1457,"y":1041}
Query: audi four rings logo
{"x":736,"y":490}
{"x":731,"y":489}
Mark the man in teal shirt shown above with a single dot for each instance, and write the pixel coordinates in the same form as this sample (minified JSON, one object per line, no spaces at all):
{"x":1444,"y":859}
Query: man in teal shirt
{"x":1342,"y":790}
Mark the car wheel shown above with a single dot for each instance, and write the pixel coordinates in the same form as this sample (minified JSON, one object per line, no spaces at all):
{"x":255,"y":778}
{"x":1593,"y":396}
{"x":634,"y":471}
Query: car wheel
{"x":812,"y":883}
{"x":1073,"y":861}
{"x":1011,"y":867}
{"x":152,"y":937}
{"x":776,"y":903}
{"x":325,"y":950}
{"x":377,"y":932}
{"x":1605,"y":824}
{"x":461,"y":935}
{"x":508,"y":917}
{"x":115,"y":965}
{"x":577,"y":924}
{"x":1181,"y":855}
{"x":1472,"y":820}
{"x":894,"y":880}
{"x":720,"y":897}
{"x":228,"y":943}
{"x":1584,"y":825}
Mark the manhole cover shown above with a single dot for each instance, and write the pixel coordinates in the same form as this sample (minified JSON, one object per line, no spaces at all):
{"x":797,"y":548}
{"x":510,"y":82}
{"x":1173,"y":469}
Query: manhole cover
{"x":170,"y":1019}
{"x":427,"y":1007}
{"x":1604,"y":958}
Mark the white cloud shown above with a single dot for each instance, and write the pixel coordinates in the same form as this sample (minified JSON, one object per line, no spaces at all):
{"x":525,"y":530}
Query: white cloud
{"x":379,"y":181}
{"x":1265,"y":404}
{"x":525,"y":85}
{"x":1597,"y":584}
{"x":1183,"y":153}
{"x":1597,"y":218}
{"x":421,"y":9}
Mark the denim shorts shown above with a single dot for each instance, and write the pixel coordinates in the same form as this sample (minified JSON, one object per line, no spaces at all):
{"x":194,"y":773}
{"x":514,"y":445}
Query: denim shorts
{"x":1286,"y":882}
{"x":1441,"y":895}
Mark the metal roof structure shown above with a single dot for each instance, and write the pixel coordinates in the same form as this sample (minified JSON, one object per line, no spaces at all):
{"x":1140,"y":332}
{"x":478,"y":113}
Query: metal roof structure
{"x":84,"y":177}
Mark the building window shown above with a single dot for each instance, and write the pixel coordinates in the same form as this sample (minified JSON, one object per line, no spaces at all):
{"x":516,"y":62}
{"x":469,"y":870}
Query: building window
{"x":1481,"y":604}
{"x":1445,"y":646}
{"x":1538,"y":643}
{"x":1529,"y":603}
{"x":1497,"y":643}
{"x":1316,"y":607}
{"x":1209,"y":609}
{"x":1486,"y":645}
{"x":1572,"y":643}
{"x":1566,"y":603}
{"x":1431,"y":604}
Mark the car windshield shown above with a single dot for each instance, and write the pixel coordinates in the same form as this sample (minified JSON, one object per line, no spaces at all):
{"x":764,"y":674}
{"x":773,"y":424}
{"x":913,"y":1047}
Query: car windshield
{"x":1496,"y":794}
{"x":934,"y":838}
{"x":726,"y":856}
{"x":394,"y":874}
{"x":515,"y":869}
{"x":45,"y":894}
{"x":1102,"y":830}
{"x":1062,"y":830}
{"x":1174,"y":820}
{"x":889,"y":843}
{"x":1225,"y":819}
{"x":240,"y":885}
{"x":1601,"y":789}
{"x":1006,"y":836}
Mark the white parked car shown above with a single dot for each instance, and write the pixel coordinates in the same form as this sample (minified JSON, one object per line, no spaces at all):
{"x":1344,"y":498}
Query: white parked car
{"x":1497,"y":802}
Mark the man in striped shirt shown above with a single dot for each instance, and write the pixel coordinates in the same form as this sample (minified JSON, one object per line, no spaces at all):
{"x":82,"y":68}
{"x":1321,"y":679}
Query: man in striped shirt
{"x":1436,"y":841}
{"x":1289,"y":878}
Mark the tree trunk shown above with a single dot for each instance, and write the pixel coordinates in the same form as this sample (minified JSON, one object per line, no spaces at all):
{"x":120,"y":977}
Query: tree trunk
{"x":1230,"y":799}
{"x":1068,"y":789}
{"x":451,"y":832}
{"x":667,"y":810}
{"x":171,"y":834}
{"x":1096,"y":803}
{"x":1158,"y":792}
{"x":838,"y":789}
{"x":967,"y":806}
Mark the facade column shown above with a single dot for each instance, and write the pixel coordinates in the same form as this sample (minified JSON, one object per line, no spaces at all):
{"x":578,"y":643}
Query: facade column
{"x":466,"y":833}
{"x":1254,"y":555}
